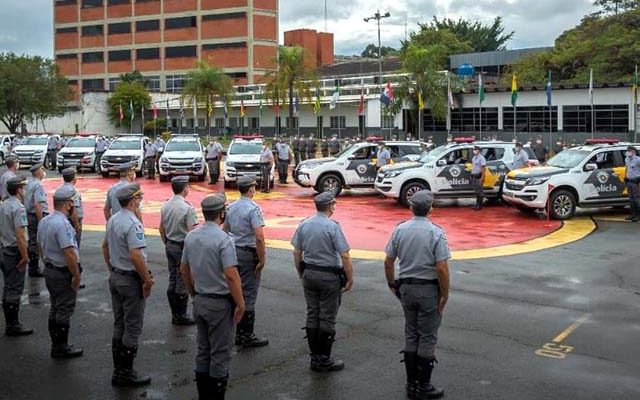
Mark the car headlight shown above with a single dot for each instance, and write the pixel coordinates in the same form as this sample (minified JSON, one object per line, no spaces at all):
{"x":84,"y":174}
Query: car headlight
{"x":309,"y":166}
{"x":537,"y":181}
{"x":230,"y":164}
{"x":393,"y":174}
{"x":164,"y":159}
{"x":197,"y":159}
{"x":37,"y":152}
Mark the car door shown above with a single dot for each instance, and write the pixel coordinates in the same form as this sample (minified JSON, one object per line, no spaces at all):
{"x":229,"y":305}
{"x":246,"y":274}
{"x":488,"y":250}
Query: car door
{"x":497,"y":167}
{"x":604,"y":183}
{"x":452,"y":174}
{"x":360,"y":167}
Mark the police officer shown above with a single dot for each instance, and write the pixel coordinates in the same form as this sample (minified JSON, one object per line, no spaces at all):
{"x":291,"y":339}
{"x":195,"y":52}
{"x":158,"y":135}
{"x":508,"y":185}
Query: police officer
{"x":69,"y":176}
{"x":12,"y":166}
{"x":296,"y":150}
{"x":150,"y":155}
{"x":101,"y":147}
{"x":322,"y":260}
{"x":209,"y":269}
{"x":111,"y":205}
{"x":541,"y":151}
{"x":213,"y":154}
{"x":312,"y":147}
{"x":266,"y":162}
{"x":632,"y":180}
{"x":35,"y":202}
{"x":14,"y":255}
{"x":383,"y":157}
{"x":334,"y":146}
{"x":303,"y":148}
{"x":160,"y":145}
{"x":558,"y":147}
{"x":324,"y":147}
{"x":478,"y":169}
{"x":52,"y":151}
{"x":520,"y":158}
{"x":130,"y":283}
{"x":423,"y":289}
{"x":246,"y":224}
{"x":284,"y":154}
{"x":177,"y":218}
{"x":57,"y":242}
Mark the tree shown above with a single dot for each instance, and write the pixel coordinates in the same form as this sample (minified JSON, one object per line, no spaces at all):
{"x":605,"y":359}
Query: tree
{"x":207,"y":83}
{"x":293,"y":75}
{"x":479,"y":36}
{"x":371,"y":51}
{"x":134,"y":76}
{"x":615,"y":6}
{"x":126,"y":95}
{"x":440,"y":44}
{"x":31,"y":88}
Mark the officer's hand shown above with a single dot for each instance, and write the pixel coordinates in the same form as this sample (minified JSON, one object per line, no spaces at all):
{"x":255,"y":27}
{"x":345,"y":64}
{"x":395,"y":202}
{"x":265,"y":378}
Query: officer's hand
{"x":238,"y":313}
{"x":75,"y":283}
{"x":442,"y":301}
{"x":22,"y":263}
{"x":348,"y":286}
{"x":146,"y":288}
{"x":259,"y":267}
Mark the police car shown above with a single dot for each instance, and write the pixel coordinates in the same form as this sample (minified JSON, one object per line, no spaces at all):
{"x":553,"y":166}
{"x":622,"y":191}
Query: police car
{"x":354,"y":167}
{"x":587,"y":176}
{"x":243,"y":159}
{"x":34,"y":150}
{"x":183,"y":155}
{"x":122,"y":150}
{"x":79,"y":152}
{"x":5,"y":147}
{"x":446,"y":171}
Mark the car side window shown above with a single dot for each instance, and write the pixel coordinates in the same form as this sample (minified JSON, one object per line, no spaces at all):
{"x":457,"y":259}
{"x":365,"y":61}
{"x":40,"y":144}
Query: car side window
{"x":458,"y":156}
{"x":493,"y":153}
{"x":394,"y":151}
{"x":409,"y":150}
{"x":604,"y":160}
{"x":362,"y":153}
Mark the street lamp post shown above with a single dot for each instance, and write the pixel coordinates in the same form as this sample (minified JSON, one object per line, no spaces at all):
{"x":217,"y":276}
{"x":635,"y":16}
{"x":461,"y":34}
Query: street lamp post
{"x":377,"y":16}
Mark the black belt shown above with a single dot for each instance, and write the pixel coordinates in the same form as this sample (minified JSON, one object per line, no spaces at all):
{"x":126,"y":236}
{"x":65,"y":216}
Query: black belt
{"x":282,"y":160}
{"x":320,"y":268}
{"x":55,"y":267}
{"x":418,"y":281}
{"x":212,"y":159}
{"x":150,"y":156}
{"x":12,"y":248}
{"x":215,"y":296}
{"x":176,"y":243}
{"x":125,"y":273}
{"x":247,"y":248}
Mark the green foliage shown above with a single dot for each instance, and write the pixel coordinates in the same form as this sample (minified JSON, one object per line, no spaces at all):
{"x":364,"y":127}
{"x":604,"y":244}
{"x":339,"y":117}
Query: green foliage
{"x":30,"y":88}
{"x":439,"y":43}
{"x":479,"y":36}
{"x":371,"y":51}
{"x":160,"y":125}
{"x":134,"y":76}
{"x":125,"y":94}
{"x":207,"y":84}
{"x":615,"y":6}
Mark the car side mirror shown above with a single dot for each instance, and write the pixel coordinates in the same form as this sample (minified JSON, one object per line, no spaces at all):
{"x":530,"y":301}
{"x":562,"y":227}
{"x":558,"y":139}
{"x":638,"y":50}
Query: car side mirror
{"x":441,"y":163}
{"x":591,"y":167}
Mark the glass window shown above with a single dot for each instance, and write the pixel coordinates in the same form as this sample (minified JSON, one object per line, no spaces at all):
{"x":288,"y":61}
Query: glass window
{"x":73,"y":29}
{"x":91,"y":3}
{"x":81,"y":142}
{"x":175,"y":83}
{"x":215,"y":17}
{"x":469,"y":119}
{"x":493,"y":153}
{"x":364,"y":152}
{"x":113,"y":83}
{"x":388,"y":122}
{"x":246,"y":148}
{"x":92,"y":84}
{"x":531,"y":119}
{"x":295,"y":123}
{"x":116,"y":2}
{"x":36,"y":141}
{"x":458,"y":156}
{"x":254,"y":123}
{"x":604,"y":160}
{"x":149,"y":25}
{"x":338,"y":122}
{"x":180,"y":51}
{"x":233,"y":122}
{"x":182,"y":145}
{"x":568,"y":158}
{"x":182,"y":22}
{"x":430,"y":124}
{"x":94,"y":57}
{"x":148,"y":54}
{"x":125,"y":144}
{"x":232,"y":45}
{"x":121,"y":27}
{"x":66,"y":56}
{"x":153,"y":83}
{"x":120,"y":55}
{"x":219,"y":123}
{"x":608,"y":118}
{"x":92,"y":30}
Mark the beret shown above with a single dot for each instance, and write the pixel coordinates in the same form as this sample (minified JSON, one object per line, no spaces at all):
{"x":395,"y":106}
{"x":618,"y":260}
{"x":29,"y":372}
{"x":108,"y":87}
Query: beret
{"x":128,"y":166}
{"x":64,"y":192}
{"x":423,"y":198}
{"x":246,"y":181}
{"x":324,"y":198}
{"x":69,"y":171}
{"x":16,"y":181}
{"x":180,"y":179}
{"x":213,"y":202}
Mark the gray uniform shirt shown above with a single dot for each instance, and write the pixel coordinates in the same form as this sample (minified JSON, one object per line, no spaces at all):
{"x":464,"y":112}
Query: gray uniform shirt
{"x":12,"y":215}
{"x":213,"y":151}
{"x":383,"y":157}
{"x":321,"y":240}
{"x":520,"y":159}
{"x":35,"y":193}
{"x":419,"y":245}
{"x":176,"y":217}
{"x":334,"y":145}
{"x":477,"y":163}
{"x":283,"y":151}
{"x":209,"y":251}
{"x":159,"y":143}
{"x":77,"y":200}
{"x":101,"y":145}
{"x":55,"y":234}
{"x":633,"y":167}
{"x":3,"y":184}
{"x":124,"y":232}
{"x":111,"y":201}
{"x":243,"y":217}
{"x":151,"y":150}
{"x":266,"y":156}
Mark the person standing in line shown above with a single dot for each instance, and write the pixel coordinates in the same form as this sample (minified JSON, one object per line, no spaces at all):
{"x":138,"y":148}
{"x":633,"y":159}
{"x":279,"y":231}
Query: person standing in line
{"x":53,"y":146}
{"x":632,"y":180}
{"x":541,"y":151}
{"x":520,"y":158}
{"x":312,"y":147}
{"x":35,"y":202}
{"x":296,"y":150}
{"x":101,"y":147}
{"x":478,"y":170}
{"x":151,"y":157}
{"x":213,"y":155}
{"x":266,"y":162}
{"x":111,"y":205}
{"x":334,"y":146}
{"x":324,"y":148}
{"x":284,"y":157}
{"x":303,"y":148}
{"x":12,"y":167}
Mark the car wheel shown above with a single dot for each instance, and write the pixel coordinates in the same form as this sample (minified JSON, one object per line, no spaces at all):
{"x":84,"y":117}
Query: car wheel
{"x":330,"y":183}
{"x":105,"y":174}
{"x":409,"y":190}
{"x":563,"y":205}
{"x":47,"y":162}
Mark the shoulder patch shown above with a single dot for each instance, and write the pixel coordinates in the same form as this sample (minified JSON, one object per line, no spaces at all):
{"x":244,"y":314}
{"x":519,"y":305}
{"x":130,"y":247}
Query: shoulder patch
{"x":139,"y":232}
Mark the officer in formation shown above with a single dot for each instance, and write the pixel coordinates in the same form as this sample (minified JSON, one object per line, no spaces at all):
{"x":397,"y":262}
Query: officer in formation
{"x":160,"y":145}
{"x":111,"y":205}
{"x":130,"y":284}
{"x":632,"y":180}
{"x":284,"y":154}
{"x":12,"y":166}
{"x":151,"y":156}
{"x":324,"y":147}
{"x":322,"y":260}
{"x":35,"y":202}
{"x":558,"y":147}
{"x":213,"y":155}
{"x":312,"y":147}
{"x":246,"y":224}
{"x":478,"y":170}
{"x":520,"y":158}
{"x":52,"y":151}
{"x":296,"y":150}
{"x":57,"y":241}
{"x":303,"y":148}
{"x":210,"y":272}
{"x":177,"y":218}
{"x":383,"y":157}
{"x":334,"y":146}
{"x":101,"y":147}
{"x":423,"y":289}
{"x":14,"y":255}
{"x":70,"y":178}
{"x":266,"y":162}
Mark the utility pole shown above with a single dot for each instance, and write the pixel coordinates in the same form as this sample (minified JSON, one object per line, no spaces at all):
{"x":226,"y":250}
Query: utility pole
{"x":377,"y":16}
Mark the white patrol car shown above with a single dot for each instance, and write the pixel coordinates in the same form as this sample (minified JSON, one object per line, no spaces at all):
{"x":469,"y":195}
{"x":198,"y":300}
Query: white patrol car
{"x":123,"y":149}
{"x":183,"y":155}
{"x":5,"y":147}
{"x":79,"y":152}
{"x":34,"y":150}
{"x":243,"y":159}
{"x":446,"y":171}
{"x":354,"y":167}
{"x":586,"y":176}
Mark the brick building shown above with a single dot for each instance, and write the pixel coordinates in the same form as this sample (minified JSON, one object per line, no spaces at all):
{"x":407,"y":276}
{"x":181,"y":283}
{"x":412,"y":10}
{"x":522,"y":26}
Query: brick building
{"x":97,"y":40}
{"x":318,"y":45}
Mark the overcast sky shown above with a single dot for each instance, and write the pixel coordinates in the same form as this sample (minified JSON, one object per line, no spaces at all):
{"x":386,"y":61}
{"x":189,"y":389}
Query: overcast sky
{"x":26,"y":25}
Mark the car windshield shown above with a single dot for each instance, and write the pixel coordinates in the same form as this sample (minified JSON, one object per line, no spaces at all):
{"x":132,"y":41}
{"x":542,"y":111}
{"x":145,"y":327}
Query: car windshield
{"x":433,"y":154}
{"x":182,"y":145}
{"x":568,"y":158}
{"x":36,"y":141}
{"x":125,"y":145}
{"x":246,"y":148}
{"x":81,"y":142}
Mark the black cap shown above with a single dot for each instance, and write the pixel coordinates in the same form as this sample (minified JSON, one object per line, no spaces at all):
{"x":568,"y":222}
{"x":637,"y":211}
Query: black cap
{"x":213,"y":202}
{"x":423,"y":198}
{"x":71,"y":171}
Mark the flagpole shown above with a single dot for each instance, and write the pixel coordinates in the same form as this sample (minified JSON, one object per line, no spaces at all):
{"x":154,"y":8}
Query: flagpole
{"x":448,"y":105}
{"x":635,"y":106}
{"x":593,"y":119}
{"x":480,"y":103}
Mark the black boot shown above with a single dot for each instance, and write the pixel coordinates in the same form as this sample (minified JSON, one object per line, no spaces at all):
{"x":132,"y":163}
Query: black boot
{"x":13,"y":325}
{"x":636,"y":214}
{"x":60,"y":348}
{"x":248,"y":337}
{"x":218,"y":388}
{"x":203,"y":385}
{"x":312,"y":340}
{"x":127,"y":376}
{"x":411,"y":367}
{"x":425,"y":389}
{"x":180,"y":316}
{"x":241,"y":330}
{"x":325,"y":362}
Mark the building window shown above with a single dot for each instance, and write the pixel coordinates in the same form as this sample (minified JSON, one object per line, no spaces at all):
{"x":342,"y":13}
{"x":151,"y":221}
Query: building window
{"x":120,"y":55}
{"x":92,"y":84}
{"x":232,"y":45}
{"x":608,"y":118}
{"x":113,"y":83}
{"x":237,"y":75}
{"x":219,"y":123}
{"x":319,"y":124}
{"x":66,"y":56}
{"x":295,"y":123}
{"x":149,"y":25}
{"x":73,"y":29}
{"x":430,"y":124}
{"x":254,"y":123}
{"x":148,"y":54}
{"x":217,"y":17}
{"x":175,"y":83}
{"x":468,"y":120}
{"x":233,"y":123}
{"x":91,"y":3}
{"x":65,"y":2}
{"x":94,"y":57}
{"x":178,"y":23}
{"x":180,"y":51}
{"x":92,"y":30}
{"x":529,"y":119}
{"x":116,"y":2}
{"x":122,"y":27}
{"x":388,"y":122}
{"x":153,"y":83}
{"x":338,"y":122}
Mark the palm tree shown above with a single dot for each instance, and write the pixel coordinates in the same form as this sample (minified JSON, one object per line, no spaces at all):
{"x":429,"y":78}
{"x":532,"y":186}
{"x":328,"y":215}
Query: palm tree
{"x":292,"y":76}
{"x":207,"y":83}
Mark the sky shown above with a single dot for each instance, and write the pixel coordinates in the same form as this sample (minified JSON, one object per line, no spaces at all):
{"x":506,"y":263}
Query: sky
{"x":26,"y":25}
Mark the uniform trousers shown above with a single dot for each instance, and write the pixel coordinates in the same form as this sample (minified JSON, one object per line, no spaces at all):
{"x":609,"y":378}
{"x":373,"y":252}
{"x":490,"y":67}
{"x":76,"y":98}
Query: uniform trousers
{"x":214,"y":323}
{"x":214,"y":169}
{"x":13,"y":278}
{"x":311,"y":154}
{"x":283,"y":170}
{"x":478,"y":188}
{"x":61,"y":294}
{"x":633,"y":189}
{"x":323,"y":294}
{"x":173,"y":251}
{"x":151,"y":166}
{"x":128,"y":305}
{"x":265,"y":176}
{"x":296,"y":157}
{"x":247,"y":262}
{"x":32,"y":229}
{"x":422,"y":319}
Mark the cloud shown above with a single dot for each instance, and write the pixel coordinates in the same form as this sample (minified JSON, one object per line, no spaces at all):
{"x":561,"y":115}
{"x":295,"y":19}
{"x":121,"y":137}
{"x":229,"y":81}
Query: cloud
{"x":27,"y":27}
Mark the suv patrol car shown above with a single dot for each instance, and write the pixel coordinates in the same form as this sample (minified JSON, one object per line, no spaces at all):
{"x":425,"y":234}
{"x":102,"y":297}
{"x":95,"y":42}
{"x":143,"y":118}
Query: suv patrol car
{"x":34,"y":150}
{"x":79,"y":152}
{"x":5,"y":147}
{"x":183,"y":155}
{"x":446,"y":171}
{"x":354,"y":167}
{"x":123,"y":149}
{"x":586,"y":176}
{"x":243,"y":159}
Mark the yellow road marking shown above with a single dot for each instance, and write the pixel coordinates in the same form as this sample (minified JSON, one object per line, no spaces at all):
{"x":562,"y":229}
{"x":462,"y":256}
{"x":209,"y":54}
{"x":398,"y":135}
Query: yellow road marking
{"x":565,"y":334}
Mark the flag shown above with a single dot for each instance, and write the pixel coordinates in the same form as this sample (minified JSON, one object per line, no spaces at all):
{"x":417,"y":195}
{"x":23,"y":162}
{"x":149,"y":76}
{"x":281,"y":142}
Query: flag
{"x":260,"y":108}
{"x":195,"y":113}
{"x":242,"y":113}
{"x":121,"y":111}
{"x":361,"y":105}
{"x":155,"y":111}
{"x":277,"y":109}
{"x":450,"y":93}
{"x":591,"y":86}
{"x":131,"y":109}
{"x":387,"y":95}
{"x":316,"y":105}
{"x":514,"y":91}
{"x":634,"y":87}
{"x":481,"y":94}
{"x":167,"y":112}
{"x":335,"y":98}
{"x":549,"y":90}
{"x":226,"y":111}
{"x":420,"y":101}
